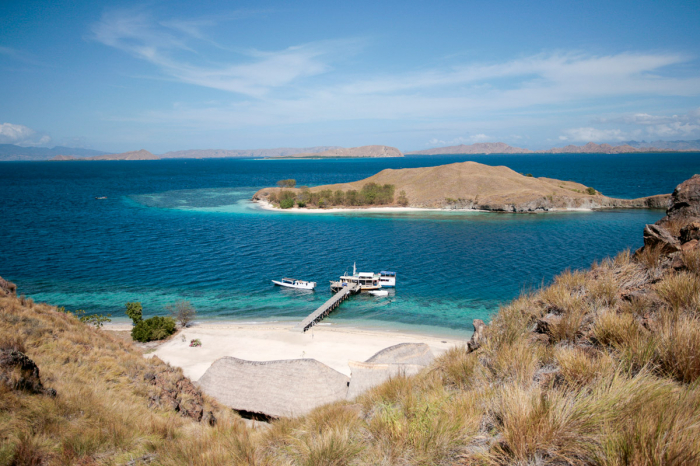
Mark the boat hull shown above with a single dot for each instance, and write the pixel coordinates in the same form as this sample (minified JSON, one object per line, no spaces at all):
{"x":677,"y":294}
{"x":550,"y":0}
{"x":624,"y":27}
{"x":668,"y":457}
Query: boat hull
{"x":298,"y":286}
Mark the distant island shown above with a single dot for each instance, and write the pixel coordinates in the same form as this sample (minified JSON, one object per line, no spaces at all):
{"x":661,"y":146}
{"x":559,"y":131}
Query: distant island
{"x":353,"y":152}
{"x":133,"y":155}
{"x":11,"y":152}
{"x":590,"y":148}
{"x":246,"y":153}
{"x":457,"y":186}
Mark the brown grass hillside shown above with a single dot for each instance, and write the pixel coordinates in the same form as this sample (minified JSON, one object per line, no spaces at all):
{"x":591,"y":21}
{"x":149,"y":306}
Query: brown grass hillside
{"x":478,"y":186}
{"x":602,"y":367}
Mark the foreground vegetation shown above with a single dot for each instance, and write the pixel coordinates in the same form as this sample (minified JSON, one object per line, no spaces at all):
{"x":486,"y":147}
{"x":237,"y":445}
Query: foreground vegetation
{"x":371,"y":194}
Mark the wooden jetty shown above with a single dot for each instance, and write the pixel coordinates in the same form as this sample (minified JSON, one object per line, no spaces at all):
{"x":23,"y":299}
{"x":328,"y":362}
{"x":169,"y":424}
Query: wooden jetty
{"x":330,"y":305}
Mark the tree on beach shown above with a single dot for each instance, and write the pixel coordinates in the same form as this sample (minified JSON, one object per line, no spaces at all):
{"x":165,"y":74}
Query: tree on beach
{"x":135,"y":312}
{"x":183,"y":312}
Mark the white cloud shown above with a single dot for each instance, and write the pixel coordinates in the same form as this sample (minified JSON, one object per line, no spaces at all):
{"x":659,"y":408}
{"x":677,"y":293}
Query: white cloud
{"x":592,"y":134}
{"x":639,"y":125}
{"x":22,"y":136}
{"x":310,"y":83}
{"x":170,"y":45}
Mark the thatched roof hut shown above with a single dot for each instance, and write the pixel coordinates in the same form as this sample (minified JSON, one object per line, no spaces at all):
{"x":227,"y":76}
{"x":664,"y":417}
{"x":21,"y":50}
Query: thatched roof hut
{"x":402,"y":359}
{"x":404,"y":353}
{"x":366,"y":375}
{"x":284,"y":388}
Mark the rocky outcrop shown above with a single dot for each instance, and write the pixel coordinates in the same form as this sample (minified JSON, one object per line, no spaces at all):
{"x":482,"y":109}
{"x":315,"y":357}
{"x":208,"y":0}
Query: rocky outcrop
{"x":478,"y":337}
{"x":20,"y":373}
{"x":172,"y":390}
{"x":685,"y":200}
{"x":679,"y":230}
{"x":7,"y":288}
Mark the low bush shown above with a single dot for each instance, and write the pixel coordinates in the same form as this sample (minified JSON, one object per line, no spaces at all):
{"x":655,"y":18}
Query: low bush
{"x":290,"y":183}
{"x":155,"y":328}
{"x":287,"y":203}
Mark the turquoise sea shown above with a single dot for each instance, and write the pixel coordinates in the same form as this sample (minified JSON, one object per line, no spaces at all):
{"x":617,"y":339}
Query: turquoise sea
{"x":184,"y":229}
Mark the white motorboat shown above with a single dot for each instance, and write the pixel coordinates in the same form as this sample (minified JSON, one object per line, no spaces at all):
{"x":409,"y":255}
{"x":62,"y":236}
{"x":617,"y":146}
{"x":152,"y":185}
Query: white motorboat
{"x":387,"y":279}
{"x":294,"y":283}
{"x":379,"y":293}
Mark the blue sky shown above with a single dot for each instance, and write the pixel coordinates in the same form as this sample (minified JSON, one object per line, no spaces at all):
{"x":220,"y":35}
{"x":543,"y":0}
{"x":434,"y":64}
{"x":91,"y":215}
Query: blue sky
{"x":166,"y":76}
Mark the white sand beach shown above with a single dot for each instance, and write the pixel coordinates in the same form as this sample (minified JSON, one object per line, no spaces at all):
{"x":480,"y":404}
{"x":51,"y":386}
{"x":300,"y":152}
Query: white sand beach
{"x":262,"y":204}
{"x":333,"y":346}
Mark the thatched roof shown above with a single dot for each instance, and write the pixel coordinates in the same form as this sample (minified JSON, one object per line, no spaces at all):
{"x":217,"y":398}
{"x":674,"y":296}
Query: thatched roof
{"x":366,"y":375}
{"x":275,"y":388}
{"x":405,"y":353}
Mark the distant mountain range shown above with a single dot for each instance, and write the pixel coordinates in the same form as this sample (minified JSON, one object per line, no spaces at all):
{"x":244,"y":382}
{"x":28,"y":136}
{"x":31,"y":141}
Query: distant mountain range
{"x":11,"y":152}
{"x":478,"y":148}
{"x":353,"y":152}
{"x":672,"y":145}
{"x":251,"y":153}
{"x":590,"y":148}
{"x":133,"y":155}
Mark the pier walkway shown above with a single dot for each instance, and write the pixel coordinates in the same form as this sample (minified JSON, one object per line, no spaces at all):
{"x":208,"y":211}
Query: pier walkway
{"x":328,"y":306}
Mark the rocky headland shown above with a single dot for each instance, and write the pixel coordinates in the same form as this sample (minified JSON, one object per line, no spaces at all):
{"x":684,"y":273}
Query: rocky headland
{"x":475,"y":186}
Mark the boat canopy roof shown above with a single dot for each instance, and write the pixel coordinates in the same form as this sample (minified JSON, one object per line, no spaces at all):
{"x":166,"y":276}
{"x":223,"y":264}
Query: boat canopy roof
{"x":384,"y":272}
{"x":290,"y":279}
{"x":365,"y":274}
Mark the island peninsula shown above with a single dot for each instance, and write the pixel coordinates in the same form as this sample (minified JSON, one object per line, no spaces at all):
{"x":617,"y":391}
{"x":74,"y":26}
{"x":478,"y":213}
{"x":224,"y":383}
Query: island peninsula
{"x":457,"y":186}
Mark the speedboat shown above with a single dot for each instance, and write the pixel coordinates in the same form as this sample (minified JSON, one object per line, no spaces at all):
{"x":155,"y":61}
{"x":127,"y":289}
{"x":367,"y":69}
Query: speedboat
{"x":294,"y":283}
{"x":379,"y":293}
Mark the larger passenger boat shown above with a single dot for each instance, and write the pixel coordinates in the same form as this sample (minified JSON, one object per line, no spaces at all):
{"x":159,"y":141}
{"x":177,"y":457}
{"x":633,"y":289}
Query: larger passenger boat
{"x":365,"y":281}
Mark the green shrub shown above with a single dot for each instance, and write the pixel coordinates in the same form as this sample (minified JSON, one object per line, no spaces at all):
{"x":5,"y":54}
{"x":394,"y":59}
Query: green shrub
{"x":301,"y":204}
{"x":134,"y":311}
{"x":529,"y":175}
{"x":402,"y":200}
{"x":155,"y":328}
{"x":290,"y":183}
{"x":591,"y":191}
{"x":339,"y":197}
{"x":287,"y":203}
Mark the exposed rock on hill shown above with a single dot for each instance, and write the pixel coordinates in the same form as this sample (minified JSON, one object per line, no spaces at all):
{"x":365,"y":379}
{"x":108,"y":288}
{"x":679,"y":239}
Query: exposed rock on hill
{"x":474,"y":186}
{"x":354,"y":152}
{"x":18,"y":372}
{"x":478,"y":148}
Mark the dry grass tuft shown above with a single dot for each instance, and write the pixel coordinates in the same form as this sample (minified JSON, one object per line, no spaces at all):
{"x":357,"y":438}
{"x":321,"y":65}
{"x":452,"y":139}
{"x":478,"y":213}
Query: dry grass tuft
{"x":681,"y":291}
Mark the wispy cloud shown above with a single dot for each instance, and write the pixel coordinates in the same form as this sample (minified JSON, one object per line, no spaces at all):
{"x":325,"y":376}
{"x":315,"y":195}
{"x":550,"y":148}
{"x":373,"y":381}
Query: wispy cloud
{"x":636,"y":126}
{"x":314,"y":82}
{"x":22,"y":135}
{"x":171,"y":45}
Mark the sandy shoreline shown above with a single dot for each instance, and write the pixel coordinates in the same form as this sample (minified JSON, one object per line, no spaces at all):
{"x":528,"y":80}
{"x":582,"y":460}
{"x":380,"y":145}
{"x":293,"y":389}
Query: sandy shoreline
{"x":268,"y":206}
{"x":333,"y":346}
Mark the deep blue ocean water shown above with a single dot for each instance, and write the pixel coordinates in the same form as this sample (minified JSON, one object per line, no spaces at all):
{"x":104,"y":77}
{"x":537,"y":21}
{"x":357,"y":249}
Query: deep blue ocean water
{"x":184,"y":229}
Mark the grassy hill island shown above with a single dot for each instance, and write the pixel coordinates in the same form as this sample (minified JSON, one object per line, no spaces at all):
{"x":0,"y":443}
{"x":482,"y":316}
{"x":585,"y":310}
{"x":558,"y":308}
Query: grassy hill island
{"x":459,"y":186}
